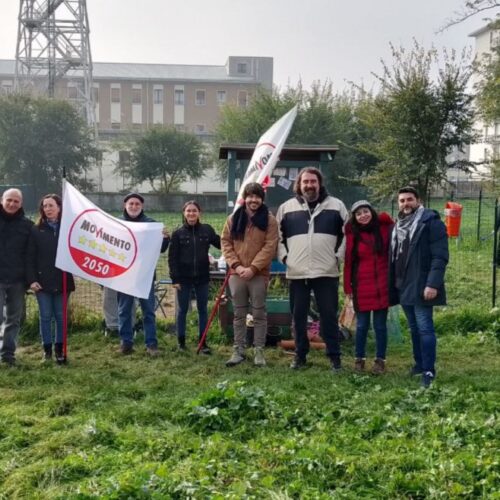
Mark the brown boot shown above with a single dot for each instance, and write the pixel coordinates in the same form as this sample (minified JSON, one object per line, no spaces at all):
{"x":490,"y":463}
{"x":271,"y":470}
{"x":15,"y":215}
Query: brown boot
{"x":378,"y":366}
{"x":359,"y":365}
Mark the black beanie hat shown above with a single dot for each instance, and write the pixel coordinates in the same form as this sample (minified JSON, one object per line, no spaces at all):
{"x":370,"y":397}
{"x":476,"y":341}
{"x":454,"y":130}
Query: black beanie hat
{"x":133,"y":195}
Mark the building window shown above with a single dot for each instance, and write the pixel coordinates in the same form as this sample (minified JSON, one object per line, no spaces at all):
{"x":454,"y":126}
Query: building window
{"x":115,"y":125}
{"x":179,"y":96}
{"x":123,"y":159}
{"x":199,"y":128}
{"x":7,"y":88}
{"x":200,"y":98}
{"x":221,"y":97}
{"x":95,"y":94}
{"x":136,"y":96}
{"x":494,"y":39}
{"x":158,"y":96}
{"x":115,"y":94}
{"x":242,"y":98}
{"x":72,"y":92}
{"x":241,"y":68}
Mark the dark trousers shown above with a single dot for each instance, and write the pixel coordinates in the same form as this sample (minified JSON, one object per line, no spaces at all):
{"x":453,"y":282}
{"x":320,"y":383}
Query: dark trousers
{"x":183,"y":299}
{"x":326,"y":293}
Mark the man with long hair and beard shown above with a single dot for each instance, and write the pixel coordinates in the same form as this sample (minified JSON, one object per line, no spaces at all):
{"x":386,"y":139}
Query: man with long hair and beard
{"x":311,"y":246}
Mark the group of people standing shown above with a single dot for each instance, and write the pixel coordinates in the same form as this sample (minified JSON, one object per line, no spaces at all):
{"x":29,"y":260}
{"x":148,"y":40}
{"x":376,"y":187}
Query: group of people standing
{"x":386,"y":262}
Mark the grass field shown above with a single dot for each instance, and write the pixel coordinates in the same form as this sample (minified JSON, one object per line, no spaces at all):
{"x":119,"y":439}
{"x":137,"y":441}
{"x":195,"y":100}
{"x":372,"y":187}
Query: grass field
{"x":184,"y":426}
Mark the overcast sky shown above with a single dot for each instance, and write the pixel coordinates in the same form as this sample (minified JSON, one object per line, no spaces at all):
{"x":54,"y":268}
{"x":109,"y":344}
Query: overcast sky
{"x":312,"y":39}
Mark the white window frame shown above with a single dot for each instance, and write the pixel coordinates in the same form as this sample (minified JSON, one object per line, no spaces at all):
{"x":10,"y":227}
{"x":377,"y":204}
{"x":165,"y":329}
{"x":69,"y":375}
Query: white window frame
{"x":197,"y":100}
{"x":221,"y":102}
{"x":160,"y":93}
{"x":179,"y":102}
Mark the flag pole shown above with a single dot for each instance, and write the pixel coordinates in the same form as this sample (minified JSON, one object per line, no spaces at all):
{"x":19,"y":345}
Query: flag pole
{"x":212,"y":314}
{"x":64,"y":297}
{"x":260,"y":167}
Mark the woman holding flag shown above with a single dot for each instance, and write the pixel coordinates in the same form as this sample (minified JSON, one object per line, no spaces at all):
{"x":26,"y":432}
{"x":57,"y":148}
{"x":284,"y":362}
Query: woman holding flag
{"x":45,"y":280}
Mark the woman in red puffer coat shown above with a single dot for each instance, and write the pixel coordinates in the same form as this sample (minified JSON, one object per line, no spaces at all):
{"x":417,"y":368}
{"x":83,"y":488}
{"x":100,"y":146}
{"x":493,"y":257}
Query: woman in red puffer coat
{"x":366,"y":270}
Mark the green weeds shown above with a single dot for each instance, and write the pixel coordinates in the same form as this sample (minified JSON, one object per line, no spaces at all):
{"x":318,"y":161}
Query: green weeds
{"x":185,"y":426}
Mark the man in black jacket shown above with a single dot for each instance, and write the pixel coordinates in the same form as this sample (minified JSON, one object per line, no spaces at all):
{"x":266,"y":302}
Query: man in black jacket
{"x":14,"y":235}
{"x":419,"y":255}
{"x":133,"y":212}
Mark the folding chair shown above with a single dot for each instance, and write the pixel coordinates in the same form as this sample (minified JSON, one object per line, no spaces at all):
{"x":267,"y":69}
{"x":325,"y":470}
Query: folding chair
{"x":161,"y":290}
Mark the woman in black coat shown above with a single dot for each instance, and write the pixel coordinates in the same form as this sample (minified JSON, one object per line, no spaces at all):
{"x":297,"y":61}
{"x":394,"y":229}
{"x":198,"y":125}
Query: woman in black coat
{"x":43,"y":276}
{"x":189,"y":268}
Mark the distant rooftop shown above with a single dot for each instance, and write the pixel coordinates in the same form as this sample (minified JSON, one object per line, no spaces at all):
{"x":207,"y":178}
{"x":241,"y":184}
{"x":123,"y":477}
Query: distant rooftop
{"x":480,"y":31}
{"x":140,"y":71}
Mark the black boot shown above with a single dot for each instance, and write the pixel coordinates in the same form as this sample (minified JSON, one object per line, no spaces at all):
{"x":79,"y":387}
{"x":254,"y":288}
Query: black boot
{"x":47,"y":353}
{"x":60,"y":357}
{"x":181,"y":343}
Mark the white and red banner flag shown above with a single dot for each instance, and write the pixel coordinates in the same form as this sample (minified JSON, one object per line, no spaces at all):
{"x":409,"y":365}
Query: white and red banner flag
{"x":98,"y":247}
{"x":266,"y":154}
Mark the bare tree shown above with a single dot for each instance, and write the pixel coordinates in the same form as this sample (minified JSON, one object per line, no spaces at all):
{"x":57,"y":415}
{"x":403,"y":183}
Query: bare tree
{"x":470,"y":8}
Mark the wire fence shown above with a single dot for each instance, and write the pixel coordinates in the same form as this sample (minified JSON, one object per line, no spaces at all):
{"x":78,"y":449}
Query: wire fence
{"x":470,"y":276}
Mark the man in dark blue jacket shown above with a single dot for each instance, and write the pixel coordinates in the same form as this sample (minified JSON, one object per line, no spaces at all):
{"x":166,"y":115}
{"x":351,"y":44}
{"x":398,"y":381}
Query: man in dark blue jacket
{"x":419,"y":255}
{"x":133,"y":212}
{"x":14,"y":235}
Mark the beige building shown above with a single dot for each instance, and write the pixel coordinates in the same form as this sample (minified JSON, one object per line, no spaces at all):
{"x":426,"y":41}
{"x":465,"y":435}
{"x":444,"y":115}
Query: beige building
{"x":131,"y":97}
{"x":488,"y":147}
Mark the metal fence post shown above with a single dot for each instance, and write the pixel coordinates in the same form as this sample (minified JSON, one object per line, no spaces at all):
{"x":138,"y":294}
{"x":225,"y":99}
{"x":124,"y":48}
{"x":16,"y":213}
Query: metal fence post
{"x":479,"y":214}
{"x":495,"y":256}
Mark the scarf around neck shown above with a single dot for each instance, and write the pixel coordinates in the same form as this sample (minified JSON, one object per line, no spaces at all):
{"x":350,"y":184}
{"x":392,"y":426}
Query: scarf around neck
{"x":260,"y":220}
{"x":405,"y":227}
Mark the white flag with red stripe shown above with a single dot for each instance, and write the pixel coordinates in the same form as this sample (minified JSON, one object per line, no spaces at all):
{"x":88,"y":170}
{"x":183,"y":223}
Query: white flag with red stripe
{"x":98,"y":247}
{"x":266,"y":154}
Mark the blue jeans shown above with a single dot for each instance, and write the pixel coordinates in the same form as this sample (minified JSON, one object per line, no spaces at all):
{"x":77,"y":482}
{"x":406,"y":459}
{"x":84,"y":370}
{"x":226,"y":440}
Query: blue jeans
{"x":11,"y":310}
{"x":423,"y":336}
{"x":380,"y":327}
{"x":125,"y":326}
{"x":51,"y":307}
{"x":183,"y":298}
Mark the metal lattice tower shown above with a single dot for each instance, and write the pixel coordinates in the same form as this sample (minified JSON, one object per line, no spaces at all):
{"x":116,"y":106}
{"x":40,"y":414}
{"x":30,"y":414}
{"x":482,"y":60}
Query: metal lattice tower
{"x":52,"y":43}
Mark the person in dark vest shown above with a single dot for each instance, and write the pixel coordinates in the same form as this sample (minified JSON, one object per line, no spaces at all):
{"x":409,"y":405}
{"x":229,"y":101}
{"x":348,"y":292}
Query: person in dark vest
{"x":419,"y":256}
{"x":366,"y":278}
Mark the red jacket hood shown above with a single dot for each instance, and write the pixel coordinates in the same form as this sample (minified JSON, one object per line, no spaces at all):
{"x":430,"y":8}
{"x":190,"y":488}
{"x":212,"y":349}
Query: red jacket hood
{"x":384,"y":219}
